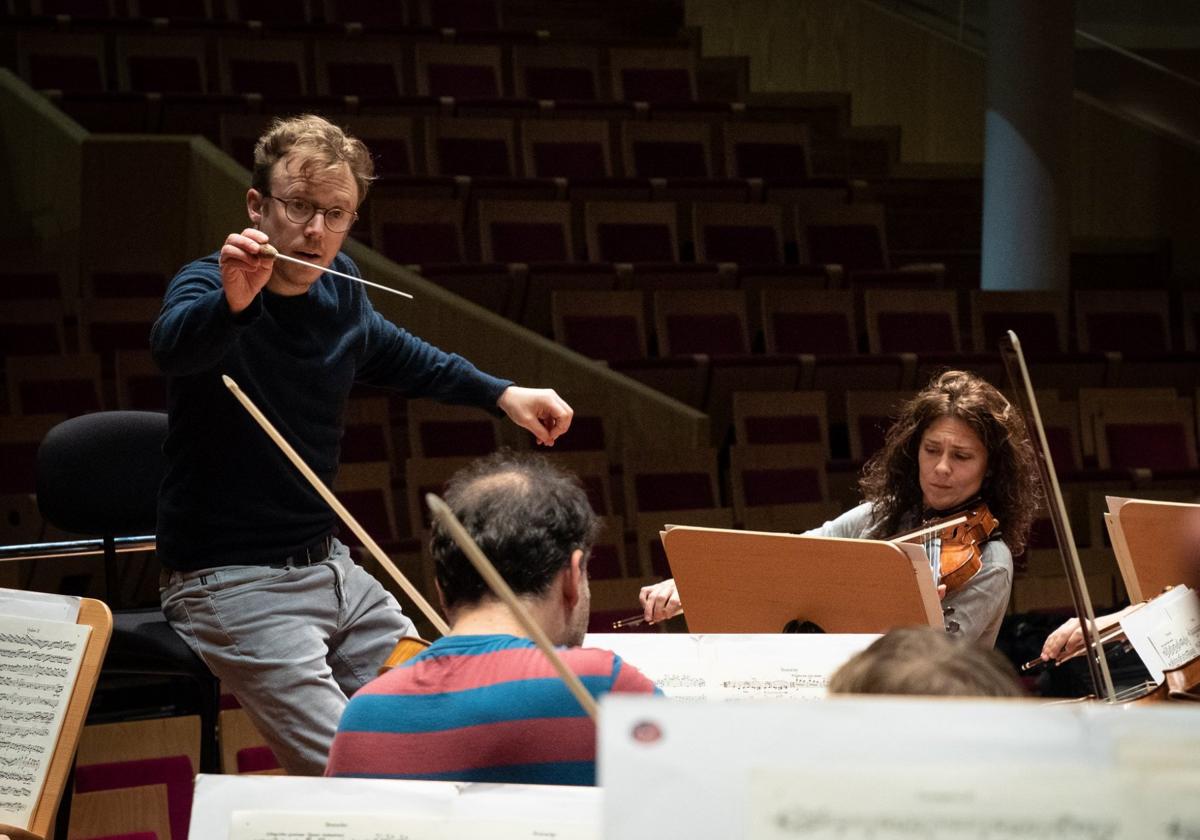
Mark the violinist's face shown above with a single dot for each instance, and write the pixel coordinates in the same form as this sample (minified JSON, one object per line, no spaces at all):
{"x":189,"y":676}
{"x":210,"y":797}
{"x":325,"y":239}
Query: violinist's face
{"x":953,"y":462}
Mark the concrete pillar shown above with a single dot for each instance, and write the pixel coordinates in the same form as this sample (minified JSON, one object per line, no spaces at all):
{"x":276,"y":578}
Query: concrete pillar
{"x":1027,"y":155}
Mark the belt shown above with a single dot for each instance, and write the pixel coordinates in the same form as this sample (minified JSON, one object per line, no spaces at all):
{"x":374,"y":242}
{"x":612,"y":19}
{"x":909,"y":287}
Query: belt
{"x":310,"y":555}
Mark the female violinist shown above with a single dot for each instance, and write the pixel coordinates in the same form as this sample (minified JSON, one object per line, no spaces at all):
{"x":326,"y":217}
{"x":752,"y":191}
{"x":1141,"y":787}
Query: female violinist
{"x":957,"y":445}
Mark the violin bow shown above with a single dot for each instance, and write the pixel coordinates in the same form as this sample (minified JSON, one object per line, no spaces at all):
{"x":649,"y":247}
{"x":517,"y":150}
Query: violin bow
{"x":378,"y":553}
{"x":442,"y":513}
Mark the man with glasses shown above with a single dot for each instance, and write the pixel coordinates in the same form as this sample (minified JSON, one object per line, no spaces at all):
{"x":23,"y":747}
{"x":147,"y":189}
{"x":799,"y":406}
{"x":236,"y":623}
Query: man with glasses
{"x":254,"y":579}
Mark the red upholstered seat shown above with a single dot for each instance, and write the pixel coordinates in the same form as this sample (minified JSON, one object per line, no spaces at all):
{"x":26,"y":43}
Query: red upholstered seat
{"x":173,"y":771}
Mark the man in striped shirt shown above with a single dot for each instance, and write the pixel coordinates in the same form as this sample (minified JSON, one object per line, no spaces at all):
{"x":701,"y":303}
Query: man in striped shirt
{"x":483,"y":703}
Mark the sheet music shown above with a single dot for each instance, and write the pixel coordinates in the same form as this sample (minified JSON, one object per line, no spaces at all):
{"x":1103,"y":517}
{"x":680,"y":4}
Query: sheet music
{"x":288,"y":825}
{"x":883,"y":803}
{"x":736,"y":666}
{"x":1166,"y":631}
{"x":39,"y":661}
{"x":39,"y":605}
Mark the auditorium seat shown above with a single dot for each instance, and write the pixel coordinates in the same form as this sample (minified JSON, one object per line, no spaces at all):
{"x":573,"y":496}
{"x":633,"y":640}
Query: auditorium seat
{"x":627,"y":231}
{"x":66,"y":61}
{"x":479,"y":15}
{"x":436,"y":430}
{"x":606,"y":561}
{"x":418,"y":230}
{"x":592,"y":470}
{"x":32,"y":328}
{"x":653,"y":74}
{"x":729,"y":373}
{"x":525,"y":231}
{"x":175,"y":11}
{"x":1060,"y":420}
{"x":272,"y":67}
{"x":367,"y":433}
{"x":809,"y":321}
{"x":711,"y":322}
{"x":1158,"y":435}
{"x":750,"y":234}
{"x":557,"y":72}
{"x":666,"y":149}
{"x":358,"y":67}
{"x":670,"y":480}
{"x":496,"y":287}
{"x":773,"y":151}
{"x":1093,"y":402}
{"x":107,"y":325}
{"x":475,"y":147}
{"x":869,"y":414}
{"x":124,"y":284}
{"x":140,"y":384}
{"x":1134,"y":321}
{"x":683,"y":378}
{"x":1038,"y":318}
{"x":906,"y":321}
{"x":463,"y":71}
{"x":771,"y":418}
{"x":370,"y":13}
{"x":164,"y":62}
{"x":851,"y":235}
{"x":1178,"y":370}
{"x":779,"y":487}
{"x":566,"y":148}
{"x":365,"y":489}
{"x":544,"y":279}
{"x":280,"y":12}
{"x":63,"y":384}
{"x":652,"y":558}
{"x":608,"y":325}
{"x":423,"y":476}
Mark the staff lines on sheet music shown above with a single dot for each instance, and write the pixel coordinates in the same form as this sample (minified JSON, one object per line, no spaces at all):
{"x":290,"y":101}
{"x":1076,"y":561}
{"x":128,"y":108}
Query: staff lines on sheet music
{"x":39,"y":656}
{"x":40,"y":644}
{"x":27,"y":700}
{"x":803,"y":822}
{"x":38,"y":671}
{"x":13,"y":776}
{"x":22,"y":732}
{"x":19,"y":715}
{"x":12,"y":790}
{"x":23,"y":761}
{"x":26,"y":748}
{"x":55,"y":688}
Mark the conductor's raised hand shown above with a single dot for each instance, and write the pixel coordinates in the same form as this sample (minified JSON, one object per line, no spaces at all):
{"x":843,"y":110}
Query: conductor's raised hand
{"x":660,"y":601}
{"x":244,"y":271}
{"x":540,"y":410}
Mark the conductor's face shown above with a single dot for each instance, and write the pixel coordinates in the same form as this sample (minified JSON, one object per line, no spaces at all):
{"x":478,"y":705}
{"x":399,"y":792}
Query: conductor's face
{"x":953,"y":462}
{"x":307,"y":215}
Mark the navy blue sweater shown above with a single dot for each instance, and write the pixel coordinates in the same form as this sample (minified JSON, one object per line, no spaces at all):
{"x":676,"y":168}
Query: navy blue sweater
{"x":229,"y":495}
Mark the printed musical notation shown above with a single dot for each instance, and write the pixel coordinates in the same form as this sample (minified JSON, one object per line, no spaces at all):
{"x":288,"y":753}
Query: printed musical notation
{"x":267,"y":825}
{"x":39,"y":661}
{"x":735,"y":667}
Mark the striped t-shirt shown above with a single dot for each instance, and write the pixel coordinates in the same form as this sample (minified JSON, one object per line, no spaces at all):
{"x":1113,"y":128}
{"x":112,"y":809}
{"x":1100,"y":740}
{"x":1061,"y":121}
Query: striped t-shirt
{"x":479,"y":709}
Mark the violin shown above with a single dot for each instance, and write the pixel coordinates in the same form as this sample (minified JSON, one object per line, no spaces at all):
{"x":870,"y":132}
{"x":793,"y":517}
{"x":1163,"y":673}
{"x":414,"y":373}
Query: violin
{"x":405,"y":649}
{"x":956,"y":550}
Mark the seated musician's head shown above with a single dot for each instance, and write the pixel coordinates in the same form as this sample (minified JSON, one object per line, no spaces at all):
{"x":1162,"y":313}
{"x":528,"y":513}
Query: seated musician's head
{"x":957,"y":439}
{"x":926,"y":661}
{"x":308,"y":181}
{"x":536,"y":525}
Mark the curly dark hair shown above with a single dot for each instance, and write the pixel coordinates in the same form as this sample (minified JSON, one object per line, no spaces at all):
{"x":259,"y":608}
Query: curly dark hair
{"x":891,"y":477}
{"x":527,"y":516}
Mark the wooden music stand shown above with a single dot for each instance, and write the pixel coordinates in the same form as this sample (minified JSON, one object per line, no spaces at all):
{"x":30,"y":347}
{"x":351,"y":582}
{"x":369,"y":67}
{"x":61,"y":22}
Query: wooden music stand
{"x":754,"y":582}
{"x":99,"y":617}
{"x":1160,"y":542}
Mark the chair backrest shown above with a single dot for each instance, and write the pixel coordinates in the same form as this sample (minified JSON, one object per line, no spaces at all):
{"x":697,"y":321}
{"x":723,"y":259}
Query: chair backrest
{"x":459,"y":70}
{"x":767,"y":150}
{"x":1133,"y":321}
{"x":566,"y":148}
{"x":912,"y":321}
{"x":712,"y":322}
{"x":740,"y":233}
{"x":556,"y":72}
{"x":666,"y":149}
{"x":809,"y":321}
{"x":525,"y":231}
{"x":99,"y":474}
{"x":631,"y":231}
{"x":1038,"y":318}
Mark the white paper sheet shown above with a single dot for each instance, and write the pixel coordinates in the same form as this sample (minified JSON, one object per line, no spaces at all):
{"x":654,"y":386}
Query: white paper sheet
{"x":39,"y":605}
{"x":736,"y":666}
{"x":1166,"y":631}
{"x":39,"y":662}
{"x":418,"y":809}
{"x":708,"y":768}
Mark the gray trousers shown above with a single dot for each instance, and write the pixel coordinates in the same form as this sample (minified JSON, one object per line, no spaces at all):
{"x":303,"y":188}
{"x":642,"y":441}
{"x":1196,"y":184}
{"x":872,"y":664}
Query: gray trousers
{"x":292,"y":644}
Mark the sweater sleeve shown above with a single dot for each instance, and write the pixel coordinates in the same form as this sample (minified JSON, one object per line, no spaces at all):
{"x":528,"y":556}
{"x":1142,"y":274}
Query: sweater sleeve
{"x":852,"y":524}
{"x":195,"y":327}
{"x":395,"y":358}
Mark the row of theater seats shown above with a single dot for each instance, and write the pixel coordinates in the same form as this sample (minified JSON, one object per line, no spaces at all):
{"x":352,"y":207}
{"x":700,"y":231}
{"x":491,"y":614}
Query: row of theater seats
{"x":471,"y":15}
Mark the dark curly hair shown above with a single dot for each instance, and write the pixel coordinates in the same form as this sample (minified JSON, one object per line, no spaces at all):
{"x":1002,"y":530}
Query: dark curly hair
{"x":527,"y":516}
{"x":891,"y":478}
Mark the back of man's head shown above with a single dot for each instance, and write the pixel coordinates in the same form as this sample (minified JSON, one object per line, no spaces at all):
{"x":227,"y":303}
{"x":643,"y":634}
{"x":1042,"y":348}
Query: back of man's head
{"x":527,"y":516}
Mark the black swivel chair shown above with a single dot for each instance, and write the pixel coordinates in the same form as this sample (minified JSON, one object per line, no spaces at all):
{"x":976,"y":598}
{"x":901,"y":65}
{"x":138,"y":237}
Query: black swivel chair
{"x":98,"y":475}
